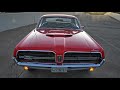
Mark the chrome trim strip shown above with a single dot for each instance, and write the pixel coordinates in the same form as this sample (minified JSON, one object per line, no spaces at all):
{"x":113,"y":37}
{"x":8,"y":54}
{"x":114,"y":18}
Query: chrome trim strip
{"x":55,"y":53}
{"x":15,"y":60}
{"x":48,"y":65}
{"x":34,"y":57}
{"x":36,"y":51}
{"x":80,"y":58}
{"x":81,"y":52}
{"x":72,"y":66}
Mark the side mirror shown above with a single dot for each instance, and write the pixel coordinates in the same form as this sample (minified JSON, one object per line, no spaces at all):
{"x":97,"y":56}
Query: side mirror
{"x":82,"y":27}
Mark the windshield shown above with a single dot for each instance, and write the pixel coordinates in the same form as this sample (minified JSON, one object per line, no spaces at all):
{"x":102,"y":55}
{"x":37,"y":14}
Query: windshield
{"x":59,"y":22}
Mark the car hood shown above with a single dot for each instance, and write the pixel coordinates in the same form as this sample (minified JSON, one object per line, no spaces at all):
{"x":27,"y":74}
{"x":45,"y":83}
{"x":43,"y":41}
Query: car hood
{"x":58,"y":41}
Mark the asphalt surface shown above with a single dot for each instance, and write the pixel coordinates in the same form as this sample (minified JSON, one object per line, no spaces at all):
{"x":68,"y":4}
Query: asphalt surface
{"x":13,"y":20}
{"x":104,"y":29}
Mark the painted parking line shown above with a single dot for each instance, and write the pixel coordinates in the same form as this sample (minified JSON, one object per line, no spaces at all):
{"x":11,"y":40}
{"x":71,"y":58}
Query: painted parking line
{"x":108,"y":43}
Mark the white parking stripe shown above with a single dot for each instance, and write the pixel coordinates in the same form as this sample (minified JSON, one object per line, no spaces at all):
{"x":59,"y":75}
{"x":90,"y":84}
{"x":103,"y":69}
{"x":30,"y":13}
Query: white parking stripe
{"x":108,"y":43}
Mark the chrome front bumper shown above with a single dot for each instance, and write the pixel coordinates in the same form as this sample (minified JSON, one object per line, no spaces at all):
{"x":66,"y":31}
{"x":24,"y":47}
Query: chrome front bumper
{"x":70,"y":66}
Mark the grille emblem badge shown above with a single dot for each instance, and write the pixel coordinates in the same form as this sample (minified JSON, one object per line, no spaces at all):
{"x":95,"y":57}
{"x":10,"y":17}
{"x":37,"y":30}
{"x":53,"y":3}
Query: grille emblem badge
{"x":59,"y":58}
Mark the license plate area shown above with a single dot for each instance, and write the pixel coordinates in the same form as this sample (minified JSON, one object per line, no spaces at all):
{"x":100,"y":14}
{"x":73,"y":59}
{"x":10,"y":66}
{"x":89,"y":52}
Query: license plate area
{"x":59,"y":69}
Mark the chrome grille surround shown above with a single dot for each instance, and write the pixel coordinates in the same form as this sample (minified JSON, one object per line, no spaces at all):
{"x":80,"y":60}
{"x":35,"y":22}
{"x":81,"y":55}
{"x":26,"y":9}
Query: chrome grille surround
{"x":41,"y":56}
{"x":68,"y":59}
{"x":82,"y":57}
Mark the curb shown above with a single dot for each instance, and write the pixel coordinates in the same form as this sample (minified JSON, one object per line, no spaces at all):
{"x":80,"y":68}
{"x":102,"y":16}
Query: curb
{"x":115,"y":16}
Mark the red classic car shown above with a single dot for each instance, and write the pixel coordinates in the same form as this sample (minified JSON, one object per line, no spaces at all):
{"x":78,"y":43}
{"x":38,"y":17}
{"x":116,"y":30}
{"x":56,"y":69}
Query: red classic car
{"x":58,"y":43}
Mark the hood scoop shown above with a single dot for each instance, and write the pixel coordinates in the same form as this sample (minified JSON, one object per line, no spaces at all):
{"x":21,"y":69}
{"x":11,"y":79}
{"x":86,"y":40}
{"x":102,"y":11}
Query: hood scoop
{"x":58,"y":34}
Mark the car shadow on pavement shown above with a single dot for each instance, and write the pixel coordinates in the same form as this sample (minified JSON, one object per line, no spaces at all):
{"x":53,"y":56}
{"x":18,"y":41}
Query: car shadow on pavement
{"x":48,"y":74}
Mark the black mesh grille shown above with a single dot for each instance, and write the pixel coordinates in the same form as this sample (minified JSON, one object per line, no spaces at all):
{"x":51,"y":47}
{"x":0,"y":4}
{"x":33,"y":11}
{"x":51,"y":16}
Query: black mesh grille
{"x":35,"y":56}
{"x":82,"y":58}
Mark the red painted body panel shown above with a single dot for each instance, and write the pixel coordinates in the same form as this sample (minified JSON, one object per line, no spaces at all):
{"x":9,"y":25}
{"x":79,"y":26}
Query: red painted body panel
{"x":59,"y":41}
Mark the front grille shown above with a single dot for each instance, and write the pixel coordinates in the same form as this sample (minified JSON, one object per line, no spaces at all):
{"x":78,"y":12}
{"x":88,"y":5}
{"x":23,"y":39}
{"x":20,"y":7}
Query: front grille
{"x":36,"y":56}
{"x":70,"y":57}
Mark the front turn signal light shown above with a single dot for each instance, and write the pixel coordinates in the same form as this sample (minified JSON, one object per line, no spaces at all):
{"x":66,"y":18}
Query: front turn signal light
{"x":91,"y":69}
{"x":25,"y":68}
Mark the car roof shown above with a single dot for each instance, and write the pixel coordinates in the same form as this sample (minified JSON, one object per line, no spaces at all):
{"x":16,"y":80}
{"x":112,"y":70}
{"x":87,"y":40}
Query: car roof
{"x":61,"y":15}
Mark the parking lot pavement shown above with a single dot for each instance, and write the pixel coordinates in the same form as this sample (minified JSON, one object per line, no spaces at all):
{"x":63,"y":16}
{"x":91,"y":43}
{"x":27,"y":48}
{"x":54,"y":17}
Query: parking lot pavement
{"x":104,"y":29}
{"x":10,"y":21}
